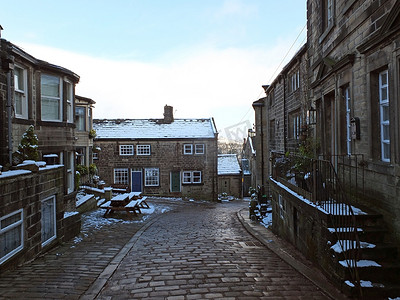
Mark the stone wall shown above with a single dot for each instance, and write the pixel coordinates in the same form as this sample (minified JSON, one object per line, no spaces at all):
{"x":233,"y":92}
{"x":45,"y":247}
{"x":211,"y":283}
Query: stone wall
{"x":26,"y":191}
{"x":302,"y":225}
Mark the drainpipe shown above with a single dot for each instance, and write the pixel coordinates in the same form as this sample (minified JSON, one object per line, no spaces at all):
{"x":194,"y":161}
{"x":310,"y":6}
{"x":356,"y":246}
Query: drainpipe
{"x":10,"y":145}
{"x":284,"y":115}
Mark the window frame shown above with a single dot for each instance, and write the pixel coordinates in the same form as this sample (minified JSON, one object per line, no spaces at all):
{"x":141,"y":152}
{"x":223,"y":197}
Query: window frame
{"x":383,"y":124}
{"x":22,"y":92}
{"x":188,"y":149}
{"x":126,"y":150}
{"x":53,"y":220}
{"x":192,"y":177}
{"x":347,"y":100}
{"x":121,"y":176}
{"x":53,"y":98}
{"x":295,"y":122}
{"x":143,"y":150}
{"x":10,"y":227}
{"x":78,"y":116}
{"x":202,"y":148}
{"x":69,"y":166}
{"x":69,"y":99}
{"x":153,"y":179}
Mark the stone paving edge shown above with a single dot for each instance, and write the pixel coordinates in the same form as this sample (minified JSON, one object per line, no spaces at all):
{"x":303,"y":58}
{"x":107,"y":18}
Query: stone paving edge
{"x":269,"y":239}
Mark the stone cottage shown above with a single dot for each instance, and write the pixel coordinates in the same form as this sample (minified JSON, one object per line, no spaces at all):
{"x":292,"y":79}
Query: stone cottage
{"x":163,"y":157}
{"x":229,"y":175}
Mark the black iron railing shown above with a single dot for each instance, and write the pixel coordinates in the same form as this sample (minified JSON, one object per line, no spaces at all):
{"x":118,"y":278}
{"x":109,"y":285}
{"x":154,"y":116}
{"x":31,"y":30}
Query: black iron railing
{"x":318,"y":181}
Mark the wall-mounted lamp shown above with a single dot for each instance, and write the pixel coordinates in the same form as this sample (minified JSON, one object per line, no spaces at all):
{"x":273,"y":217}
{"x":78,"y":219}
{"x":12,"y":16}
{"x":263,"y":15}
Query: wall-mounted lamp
{"x":251,"y":133}
{"x":312,"y":116}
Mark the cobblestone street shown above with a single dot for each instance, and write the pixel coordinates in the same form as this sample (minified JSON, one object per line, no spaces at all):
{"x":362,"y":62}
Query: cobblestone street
{"x":196,"y":250}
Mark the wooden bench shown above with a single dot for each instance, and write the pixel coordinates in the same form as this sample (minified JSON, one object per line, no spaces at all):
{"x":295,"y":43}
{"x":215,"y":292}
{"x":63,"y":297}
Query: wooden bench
{"x":142,"y":202}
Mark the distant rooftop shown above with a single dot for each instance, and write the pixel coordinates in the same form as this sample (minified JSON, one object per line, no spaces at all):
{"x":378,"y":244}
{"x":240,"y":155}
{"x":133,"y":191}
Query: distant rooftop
{"x":154,"y":128}
{"x":228,"y":164}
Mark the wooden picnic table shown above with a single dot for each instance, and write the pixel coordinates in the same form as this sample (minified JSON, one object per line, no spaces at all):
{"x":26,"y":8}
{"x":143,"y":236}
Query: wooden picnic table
{"x":129,"y":202}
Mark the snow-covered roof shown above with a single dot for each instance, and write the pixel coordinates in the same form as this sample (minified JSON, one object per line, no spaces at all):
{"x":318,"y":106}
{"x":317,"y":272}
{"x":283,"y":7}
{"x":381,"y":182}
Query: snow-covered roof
{"x":228,"y":164}
{"x":154,"y":129}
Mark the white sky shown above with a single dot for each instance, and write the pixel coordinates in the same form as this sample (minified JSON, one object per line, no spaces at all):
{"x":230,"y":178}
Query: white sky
{"x":206,"y":58}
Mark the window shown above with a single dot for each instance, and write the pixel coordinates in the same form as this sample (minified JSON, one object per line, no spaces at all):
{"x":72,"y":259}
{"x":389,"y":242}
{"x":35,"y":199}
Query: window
{"x":272,"y":133}
{"x":95,"y":155}
{"x":143,"y":150}
{"x":348,"y":119}
{"x":282,"y":207}
{"x":191,"y":177}
{"x":69,"y":165}
{"x":295,"y":81}
{"x":125,"y":149}
{"x":187,"y":149}
{"x":80,"y":120}
{"x":196,"y":176}
{"x":69,"y":100}
{"x":327,"y":14}
{"x":49,"y":229}
{"x":121,"y":176}
{"x":11,"y":234}
{"x":294,"y":125}
{"x":384,"y":115}
{"x":151,"y":177}
{"x":81,"y":156}
{"x":199,"y":149}
{"x":50,"y":98}
{"x":20,"y":93}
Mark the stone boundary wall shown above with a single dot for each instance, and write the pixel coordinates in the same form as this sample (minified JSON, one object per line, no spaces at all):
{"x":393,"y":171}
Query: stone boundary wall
{"x":25,"y":190}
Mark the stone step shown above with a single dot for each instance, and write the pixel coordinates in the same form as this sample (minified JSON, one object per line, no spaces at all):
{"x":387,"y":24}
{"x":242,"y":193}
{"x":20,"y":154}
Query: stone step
{"x":375,"y":271}
{"x":369,"y":251}
{"x":373,"y":290}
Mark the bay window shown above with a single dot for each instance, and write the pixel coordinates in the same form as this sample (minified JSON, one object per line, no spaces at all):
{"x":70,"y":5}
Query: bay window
{"x":80,"y":120}
{"x":51,"y":101}
{"x":70,"y":101}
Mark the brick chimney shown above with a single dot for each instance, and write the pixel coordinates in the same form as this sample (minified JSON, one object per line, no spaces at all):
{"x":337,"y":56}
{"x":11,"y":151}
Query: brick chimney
{"x":168,"y":114}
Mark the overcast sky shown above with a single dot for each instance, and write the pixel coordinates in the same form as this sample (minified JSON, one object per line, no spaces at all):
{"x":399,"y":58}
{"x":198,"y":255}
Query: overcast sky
{"x":206,"y":58}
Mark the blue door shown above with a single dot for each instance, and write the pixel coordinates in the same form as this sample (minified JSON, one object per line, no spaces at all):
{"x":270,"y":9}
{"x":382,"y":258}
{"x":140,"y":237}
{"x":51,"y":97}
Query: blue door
{"x":136,"y":181}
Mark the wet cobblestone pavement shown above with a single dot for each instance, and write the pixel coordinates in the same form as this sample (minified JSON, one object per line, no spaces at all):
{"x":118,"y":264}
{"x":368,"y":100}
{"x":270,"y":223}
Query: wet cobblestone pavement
{"x":197,"y":250}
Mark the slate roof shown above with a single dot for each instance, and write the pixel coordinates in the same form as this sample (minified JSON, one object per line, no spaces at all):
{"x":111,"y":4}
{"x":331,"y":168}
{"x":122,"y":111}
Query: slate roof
{"x":154,"y":129}
{"x":228,"y":164}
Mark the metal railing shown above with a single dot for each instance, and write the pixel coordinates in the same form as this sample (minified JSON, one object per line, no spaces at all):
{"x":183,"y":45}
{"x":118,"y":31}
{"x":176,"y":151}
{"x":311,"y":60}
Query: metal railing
{"x":318,"y":181}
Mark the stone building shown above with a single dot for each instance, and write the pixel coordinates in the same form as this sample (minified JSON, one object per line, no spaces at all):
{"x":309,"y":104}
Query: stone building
{"x":229,"y":175}
{"x":34,"y":196}
{"x":84,"y":130}
{"x":164,"y":157}
{"x":249,"y":163}
{"x":346,"y":171}
{"x":354,"y":84}
{"x":281,"y":114}
{"x":39,"y":94}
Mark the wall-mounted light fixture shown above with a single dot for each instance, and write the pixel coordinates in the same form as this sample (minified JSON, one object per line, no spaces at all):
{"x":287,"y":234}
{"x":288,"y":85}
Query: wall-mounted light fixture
{"x":312,"y":116}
